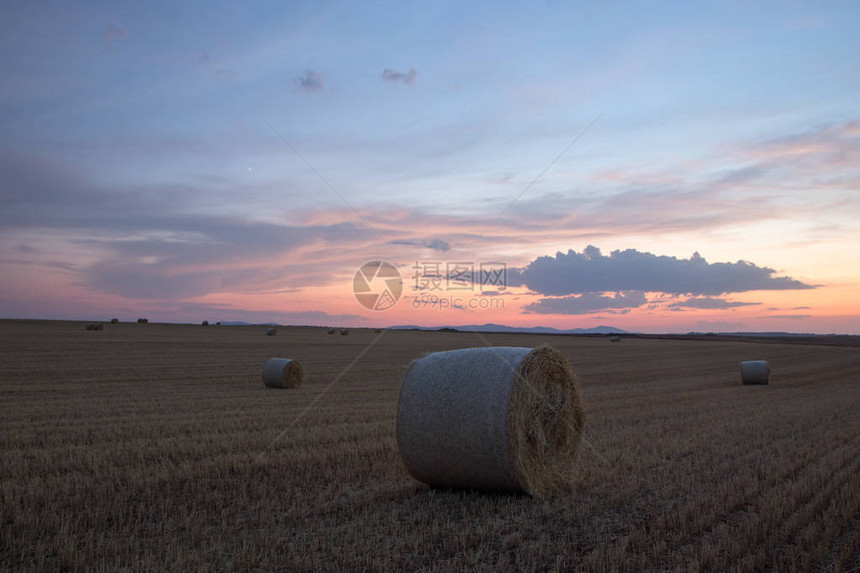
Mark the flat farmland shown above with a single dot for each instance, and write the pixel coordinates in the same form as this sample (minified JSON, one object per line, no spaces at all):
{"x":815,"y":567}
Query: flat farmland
{"x":157,"y":447}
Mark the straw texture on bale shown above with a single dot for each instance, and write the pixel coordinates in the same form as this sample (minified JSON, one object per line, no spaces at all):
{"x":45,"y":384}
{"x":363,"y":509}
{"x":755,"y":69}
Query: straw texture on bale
{"x":755,"y":372}
{"x":498,"y":419}
{"x":272,"y":332}
{"x":283,"y":373}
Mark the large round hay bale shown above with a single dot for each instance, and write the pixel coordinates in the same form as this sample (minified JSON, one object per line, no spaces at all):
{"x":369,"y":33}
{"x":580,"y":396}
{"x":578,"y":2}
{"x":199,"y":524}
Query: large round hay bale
{"x":331,"y":331}
{"x":615,"y":339}
{"x":283,"y":373}
{"x":142,"y":320}
{"x":272,"y":332}
{"x":499,"y":419}
{"x":344,"y":331}
{"x":90,"y":326}
{"x":755,"y":372}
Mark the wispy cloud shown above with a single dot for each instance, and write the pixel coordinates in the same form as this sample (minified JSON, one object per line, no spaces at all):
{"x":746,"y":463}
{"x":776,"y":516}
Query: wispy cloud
{"x":394,"y":76}
{"x":230,"y":313}
{"x":434,"y":244}
{"x":587,"y":303}
{"x":709,"y":303}
{"x":310,"y":81}
{"x":114,"y":32}
{"x":145,"y":244}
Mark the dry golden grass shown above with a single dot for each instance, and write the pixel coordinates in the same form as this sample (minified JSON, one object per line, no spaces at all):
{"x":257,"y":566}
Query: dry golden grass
{"x":153,"y":447}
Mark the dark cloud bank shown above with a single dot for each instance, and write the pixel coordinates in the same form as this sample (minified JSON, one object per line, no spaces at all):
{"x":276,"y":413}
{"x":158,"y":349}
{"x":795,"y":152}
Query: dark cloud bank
{"x":576,"y":283}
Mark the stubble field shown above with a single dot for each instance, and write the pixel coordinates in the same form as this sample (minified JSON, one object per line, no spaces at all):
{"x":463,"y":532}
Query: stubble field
{"x":157,"y":447}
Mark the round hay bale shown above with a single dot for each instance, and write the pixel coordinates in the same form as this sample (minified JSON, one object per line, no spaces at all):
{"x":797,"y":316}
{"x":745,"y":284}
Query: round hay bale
{"x":755,"y":372}
{"x":283,"y":373}
{"x":99,"y":326}
{"x":114,"y":321}
{"x":344,"y":332}
{"x":142,"y":320}
{"x":90,"y":326}
{"x":498,"y":419}
{"x":205,"y":323}
{"x":272,"y":332}
{"x":331,"y":331}
{"x":615,"y":339}
{"x":378,"y":330}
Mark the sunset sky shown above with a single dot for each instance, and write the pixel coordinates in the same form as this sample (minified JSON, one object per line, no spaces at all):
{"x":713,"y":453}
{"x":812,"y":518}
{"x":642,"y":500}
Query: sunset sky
{"x":657,"y":167}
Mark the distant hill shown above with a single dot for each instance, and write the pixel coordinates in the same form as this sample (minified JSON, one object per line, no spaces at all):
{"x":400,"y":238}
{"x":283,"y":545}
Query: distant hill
{"x":490,"y":327}
{"x":242,"y":323}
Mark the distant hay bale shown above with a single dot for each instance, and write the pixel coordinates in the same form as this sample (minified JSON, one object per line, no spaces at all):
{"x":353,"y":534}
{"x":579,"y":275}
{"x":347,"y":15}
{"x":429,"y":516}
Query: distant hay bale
{"x":331,"y":331}
{"x":499,"y":419}
{"x":378,"y":330}
{"x":755,"y":372}
{"x":615,"y":339}
{"x":205,"y":323}
{"x":95,"y":326}
{"x":114,"y":321}
{"x":344,"y":331}
{"x":142,"y":320}
{"x":272,"y":332}
{"x":283,"y":373}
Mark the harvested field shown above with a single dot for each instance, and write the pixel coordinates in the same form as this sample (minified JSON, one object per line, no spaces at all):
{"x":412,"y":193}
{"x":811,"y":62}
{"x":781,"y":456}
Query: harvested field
{"x":158,"y":448}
